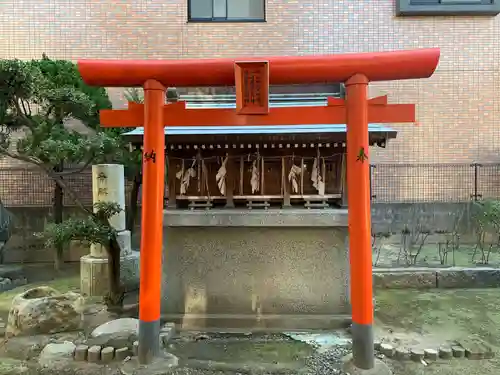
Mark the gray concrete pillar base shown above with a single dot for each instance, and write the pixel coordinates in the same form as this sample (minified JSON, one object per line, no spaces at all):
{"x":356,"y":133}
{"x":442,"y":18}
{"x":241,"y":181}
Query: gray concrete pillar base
{"x":162,"y":364}
{"x":379,"y":368}
{"x":149,"y":341}
{"x":363,"y":348}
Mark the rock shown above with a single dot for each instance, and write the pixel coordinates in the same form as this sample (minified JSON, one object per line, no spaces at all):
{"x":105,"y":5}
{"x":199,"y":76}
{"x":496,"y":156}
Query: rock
{"x":458,"y":351}
{"x":107,"y":354}
{"x":417,"y":355}
{"x":376,"y":345}
{"x":44,"y":310}
{"x":55,"y":353}
{"x":445,"y":353}
{"x":122,"y":353}
{"x":387,"y":350}
{"x":135,"y":348}
{"x":94,"y":354}
{"x":431,"y":354}
{"x":122,"y":325}
{"x":81,"y":352}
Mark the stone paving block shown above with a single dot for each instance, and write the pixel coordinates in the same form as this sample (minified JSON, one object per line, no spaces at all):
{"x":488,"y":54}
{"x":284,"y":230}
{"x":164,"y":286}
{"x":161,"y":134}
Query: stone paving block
{"x":122,"y":353}
{"x":107,"y":354}
{"x":81,"y":352}
{"x":474,"y":353}
{"x":474,"y":349}
{"x":417,"y":355}
{"x":445,"y":352}
{"x":488,"y":352}
{"x":431,"y":354}
{"x":387,"y":350}
{"x":458,"y":351}
{"x":135,"y":348}
{"x":402,"y":354}
{"x":94,"y":354}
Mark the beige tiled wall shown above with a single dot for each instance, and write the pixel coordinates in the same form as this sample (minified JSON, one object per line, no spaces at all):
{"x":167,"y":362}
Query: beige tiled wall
{"x":458,"y":108}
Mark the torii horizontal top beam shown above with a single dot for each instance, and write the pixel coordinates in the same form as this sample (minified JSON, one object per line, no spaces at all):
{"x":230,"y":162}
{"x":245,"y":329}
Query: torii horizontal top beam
{"x":283,"y":70}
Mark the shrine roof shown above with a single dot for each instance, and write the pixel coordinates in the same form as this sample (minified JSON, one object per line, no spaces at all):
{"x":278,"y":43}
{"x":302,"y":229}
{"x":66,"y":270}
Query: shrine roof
{"x":269,"y":129}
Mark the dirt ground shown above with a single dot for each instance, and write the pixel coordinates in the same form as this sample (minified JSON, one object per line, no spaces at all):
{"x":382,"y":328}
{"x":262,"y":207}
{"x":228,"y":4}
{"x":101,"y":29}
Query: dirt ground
{"x":426,"y":319}
{"x":433,"y":318}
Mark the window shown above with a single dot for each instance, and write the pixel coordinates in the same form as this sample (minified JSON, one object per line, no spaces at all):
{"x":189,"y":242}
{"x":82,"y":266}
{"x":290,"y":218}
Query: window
{"x":448,"y":7}
{"x":226,"y":10}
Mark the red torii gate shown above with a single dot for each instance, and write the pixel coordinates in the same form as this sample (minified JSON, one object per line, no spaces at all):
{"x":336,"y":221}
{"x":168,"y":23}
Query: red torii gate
{"x":356,"y":70}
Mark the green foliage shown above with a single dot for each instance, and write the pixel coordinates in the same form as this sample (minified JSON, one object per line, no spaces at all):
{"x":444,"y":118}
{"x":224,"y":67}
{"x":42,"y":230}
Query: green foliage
{"x":94,"y":229}
{"x":40,"y":96}
{"x":486,"y":215}
{"x":66,"y":91}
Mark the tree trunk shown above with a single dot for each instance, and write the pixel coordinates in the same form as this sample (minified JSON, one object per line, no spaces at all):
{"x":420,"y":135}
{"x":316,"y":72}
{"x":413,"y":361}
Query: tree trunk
{"x":58,"y":218}
{"x":114,"y":299}
{"x":133,"y":202}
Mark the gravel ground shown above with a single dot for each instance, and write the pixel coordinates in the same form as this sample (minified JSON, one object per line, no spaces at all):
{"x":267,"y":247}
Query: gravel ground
{"x":325,"y":363}
{"x":328,"y":362}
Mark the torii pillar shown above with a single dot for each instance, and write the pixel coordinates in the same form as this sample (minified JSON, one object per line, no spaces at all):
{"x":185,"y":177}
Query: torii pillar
{"x":356,"y":70}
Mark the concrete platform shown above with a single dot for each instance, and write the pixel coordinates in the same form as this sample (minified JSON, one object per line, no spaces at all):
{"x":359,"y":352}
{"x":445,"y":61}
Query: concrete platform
{"x":380,"y":367}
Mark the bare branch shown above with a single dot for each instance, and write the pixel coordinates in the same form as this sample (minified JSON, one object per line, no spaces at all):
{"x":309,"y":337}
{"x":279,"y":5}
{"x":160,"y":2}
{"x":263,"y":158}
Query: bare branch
{"x":28,"y":159}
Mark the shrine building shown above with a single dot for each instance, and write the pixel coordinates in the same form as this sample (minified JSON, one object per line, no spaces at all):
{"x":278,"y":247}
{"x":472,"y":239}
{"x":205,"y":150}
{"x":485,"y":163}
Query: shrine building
{"x":242,"y":205}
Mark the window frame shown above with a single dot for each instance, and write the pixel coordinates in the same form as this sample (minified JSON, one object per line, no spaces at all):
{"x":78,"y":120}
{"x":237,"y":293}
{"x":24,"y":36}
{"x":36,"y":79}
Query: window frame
{"x":406,"y":8}
{"x":225,"y":19}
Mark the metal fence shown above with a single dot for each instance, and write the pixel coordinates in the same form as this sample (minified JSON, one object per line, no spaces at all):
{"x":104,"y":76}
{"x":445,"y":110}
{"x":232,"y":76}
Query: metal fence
{"x":391,"y":183}
{"x":434,"y":182}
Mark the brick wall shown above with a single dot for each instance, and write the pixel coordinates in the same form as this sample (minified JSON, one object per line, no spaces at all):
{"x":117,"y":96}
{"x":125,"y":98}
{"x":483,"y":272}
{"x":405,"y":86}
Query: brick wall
{"x":458,"y":108}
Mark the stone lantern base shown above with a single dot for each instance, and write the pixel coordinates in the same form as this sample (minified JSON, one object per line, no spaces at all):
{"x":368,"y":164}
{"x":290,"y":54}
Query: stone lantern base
{"x":94,"y":273}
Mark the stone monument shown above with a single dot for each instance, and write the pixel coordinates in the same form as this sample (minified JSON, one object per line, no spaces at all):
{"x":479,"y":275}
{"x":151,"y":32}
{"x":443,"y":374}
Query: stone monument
{"x":108,"y":185}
